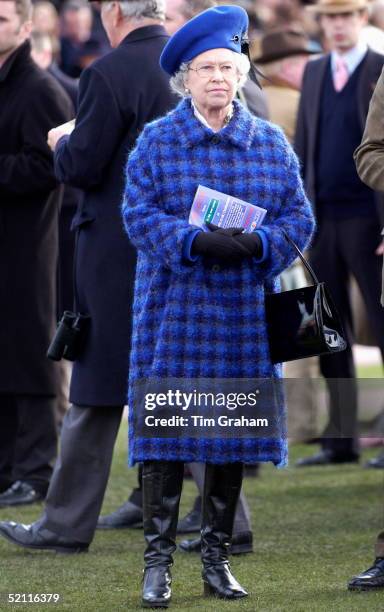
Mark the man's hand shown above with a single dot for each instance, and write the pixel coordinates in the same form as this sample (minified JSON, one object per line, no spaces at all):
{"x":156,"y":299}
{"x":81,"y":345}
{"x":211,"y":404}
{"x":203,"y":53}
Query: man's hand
{"x":56,"y":133}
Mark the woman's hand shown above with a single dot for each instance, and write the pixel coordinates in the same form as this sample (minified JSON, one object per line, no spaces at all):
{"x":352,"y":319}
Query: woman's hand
{"x":252,"y":242}
{"x":226,"y":244}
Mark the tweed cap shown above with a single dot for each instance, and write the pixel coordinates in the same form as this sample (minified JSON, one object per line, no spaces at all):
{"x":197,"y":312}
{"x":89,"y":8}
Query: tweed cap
{"x":220,"y":27}
{"x":334,"y":7}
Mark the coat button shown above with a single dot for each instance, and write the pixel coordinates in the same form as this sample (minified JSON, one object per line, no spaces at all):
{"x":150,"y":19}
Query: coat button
{"x":215,"y":139}
{"x":216,"y":268}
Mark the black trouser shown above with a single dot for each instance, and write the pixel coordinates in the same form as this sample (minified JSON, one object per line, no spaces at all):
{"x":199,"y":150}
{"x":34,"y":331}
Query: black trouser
{"x":343,"y":248}
{"x":28,"y":440}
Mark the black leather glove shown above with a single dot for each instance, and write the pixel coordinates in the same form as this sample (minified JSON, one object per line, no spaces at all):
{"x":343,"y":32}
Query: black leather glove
{"x":252,"y":243}
{"x":220,"y":243}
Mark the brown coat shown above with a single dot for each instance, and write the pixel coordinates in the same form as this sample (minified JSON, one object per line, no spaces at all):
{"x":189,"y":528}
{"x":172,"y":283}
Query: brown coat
{"x":369,"y":156}
{"x":283,"y":102}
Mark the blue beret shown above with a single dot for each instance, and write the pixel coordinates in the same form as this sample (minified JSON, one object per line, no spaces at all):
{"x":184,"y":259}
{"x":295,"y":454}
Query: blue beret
{"x":220,"y":27}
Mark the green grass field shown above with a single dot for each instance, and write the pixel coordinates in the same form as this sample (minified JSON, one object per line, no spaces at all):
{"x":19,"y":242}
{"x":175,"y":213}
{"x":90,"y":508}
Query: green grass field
{"x":313,"y":529}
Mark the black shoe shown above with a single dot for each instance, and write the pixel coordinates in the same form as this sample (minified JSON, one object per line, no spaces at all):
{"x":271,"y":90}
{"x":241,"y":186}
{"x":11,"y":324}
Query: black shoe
{"x":372,"y":578}
{"x":222,"y":486}
{"x":38,"y":538}
{"x":241,"y":543}
{"x":126,"y":516}
{"x":191,"y":522}
{"x":162,"y":484}
{"x":327,"y":457}
{"x":376,"y":462}
{"x":157,"y":587}
{"x":20,"y":494}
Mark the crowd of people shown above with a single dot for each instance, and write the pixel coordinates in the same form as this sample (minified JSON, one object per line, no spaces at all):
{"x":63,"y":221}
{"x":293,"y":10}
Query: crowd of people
{"x":99,"y":164}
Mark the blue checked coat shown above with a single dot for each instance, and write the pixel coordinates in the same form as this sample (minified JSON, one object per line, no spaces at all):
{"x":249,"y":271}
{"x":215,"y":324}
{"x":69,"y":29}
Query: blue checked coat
{"x":206,"y":319}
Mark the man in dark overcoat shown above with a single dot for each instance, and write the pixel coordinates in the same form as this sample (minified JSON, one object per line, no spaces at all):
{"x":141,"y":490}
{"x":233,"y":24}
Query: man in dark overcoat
{"x":334,"y":104}
{"x":31,"y":103}
{"x":118,"y":94}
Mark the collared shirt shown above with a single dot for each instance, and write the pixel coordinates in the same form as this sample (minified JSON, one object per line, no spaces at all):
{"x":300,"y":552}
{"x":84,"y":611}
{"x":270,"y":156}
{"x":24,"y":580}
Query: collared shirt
{"x":352,"y":58}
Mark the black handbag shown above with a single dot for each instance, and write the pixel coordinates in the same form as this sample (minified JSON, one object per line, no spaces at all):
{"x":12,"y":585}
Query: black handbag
{"x":303,"y":322}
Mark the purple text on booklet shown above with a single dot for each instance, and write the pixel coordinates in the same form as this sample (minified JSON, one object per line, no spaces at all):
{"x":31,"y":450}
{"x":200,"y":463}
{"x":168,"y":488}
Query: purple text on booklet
{"x":211,"y":206}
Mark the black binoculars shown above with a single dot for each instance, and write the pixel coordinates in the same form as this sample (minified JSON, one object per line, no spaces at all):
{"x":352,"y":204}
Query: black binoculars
{"x":69,"y":337}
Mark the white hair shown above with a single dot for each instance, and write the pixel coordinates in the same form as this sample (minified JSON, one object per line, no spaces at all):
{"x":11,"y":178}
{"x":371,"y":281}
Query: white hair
{"x":139,"y":9}
{"x":177,"y":81}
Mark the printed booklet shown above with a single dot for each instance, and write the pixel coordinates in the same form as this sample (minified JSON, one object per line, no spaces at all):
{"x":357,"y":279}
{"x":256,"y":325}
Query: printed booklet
{"x":211,"y":206}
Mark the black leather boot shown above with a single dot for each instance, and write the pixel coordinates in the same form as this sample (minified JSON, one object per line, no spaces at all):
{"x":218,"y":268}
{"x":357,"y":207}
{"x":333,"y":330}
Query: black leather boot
{"x":222,"y":487}
{"x":162,"y":484}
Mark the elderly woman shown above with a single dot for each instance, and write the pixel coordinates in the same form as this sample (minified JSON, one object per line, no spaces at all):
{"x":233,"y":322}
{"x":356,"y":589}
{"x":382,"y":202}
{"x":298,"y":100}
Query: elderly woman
{"x":199,"y":295}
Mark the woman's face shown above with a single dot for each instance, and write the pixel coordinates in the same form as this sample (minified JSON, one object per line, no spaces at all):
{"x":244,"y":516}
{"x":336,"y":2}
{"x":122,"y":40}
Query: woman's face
{"x":212,"y":79}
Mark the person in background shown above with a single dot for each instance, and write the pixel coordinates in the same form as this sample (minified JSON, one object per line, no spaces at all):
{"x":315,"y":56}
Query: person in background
{"x":42,"y":53}
{"x":284,"y":53}
{"x":369,"y":157}
{"x":372,"y":578}
{"x":333,"y":107}
{"x":178,"y":12}
{"x":110,"y":116}
{"x":78,"y":49}
{"x":31,"y":103}
{"x":45,"y":19}
{"x":376,"y":14}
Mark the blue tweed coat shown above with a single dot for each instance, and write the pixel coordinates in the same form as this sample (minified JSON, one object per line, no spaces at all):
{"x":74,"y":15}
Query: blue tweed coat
{"x":207,"y":319}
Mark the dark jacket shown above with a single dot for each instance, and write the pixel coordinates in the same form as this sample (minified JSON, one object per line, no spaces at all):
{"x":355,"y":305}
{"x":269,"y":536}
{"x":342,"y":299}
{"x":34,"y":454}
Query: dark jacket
{"x":118,"y":94}
{"x":31,"y":103}
{"x":309,"y":110}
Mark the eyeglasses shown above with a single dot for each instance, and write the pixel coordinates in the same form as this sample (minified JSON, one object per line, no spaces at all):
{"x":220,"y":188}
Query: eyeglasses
{"x":208,"y":70}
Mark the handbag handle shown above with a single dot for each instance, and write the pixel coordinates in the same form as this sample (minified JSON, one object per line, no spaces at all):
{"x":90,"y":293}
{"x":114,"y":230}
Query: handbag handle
{"x":306,"y":264}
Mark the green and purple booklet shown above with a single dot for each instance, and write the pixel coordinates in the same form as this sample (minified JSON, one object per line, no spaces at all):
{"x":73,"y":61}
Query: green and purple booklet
{"x":211,"y":206}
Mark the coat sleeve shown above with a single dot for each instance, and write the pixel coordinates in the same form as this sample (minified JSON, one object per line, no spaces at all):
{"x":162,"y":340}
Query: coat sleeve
{"x":149,"y":227}
{"x":30,"y":170}
{"x":81,"y":159}
{"x":295,"y":217}
{"x":369,"y":156}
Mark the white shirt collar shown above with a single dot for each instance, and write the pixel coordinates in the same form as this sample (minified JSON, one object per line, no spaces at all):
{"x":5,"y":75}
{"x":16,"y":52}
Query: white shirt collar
{"x":203,"y":120}
{"x":200,"y":116}
{"x":352,"y":58}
